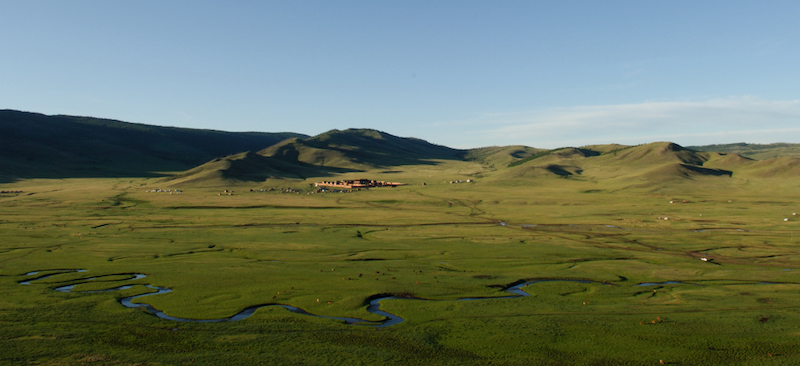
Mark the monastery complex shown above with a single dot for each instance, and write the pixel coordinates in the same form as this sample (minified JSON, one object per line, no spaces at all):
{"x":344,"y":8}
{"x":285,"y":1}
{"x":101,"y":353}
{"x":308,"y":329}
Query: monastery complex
{"x":358,"y":183}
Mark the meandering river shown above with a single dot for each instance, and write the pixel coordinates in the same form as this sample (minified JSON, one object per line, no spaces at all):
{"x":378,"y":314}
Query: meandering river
{"x":374,"y":306}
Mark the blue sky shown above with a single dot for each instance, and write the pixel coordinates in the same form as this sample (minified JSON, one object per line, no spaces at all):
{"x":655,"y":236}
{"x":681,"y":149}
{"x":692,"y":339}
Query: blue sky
{"x":459,"y":73}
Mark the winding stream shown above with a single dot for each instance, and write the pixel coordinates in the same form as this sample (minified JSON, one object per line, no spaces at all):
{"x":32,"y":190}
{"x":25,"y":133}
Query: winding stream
{"x":374,"y":306}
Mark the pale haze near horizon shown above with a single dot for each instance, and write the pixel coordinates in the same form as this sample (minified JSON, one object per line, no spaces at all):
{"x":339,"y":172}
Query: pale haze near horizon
{"x":463,"y":74}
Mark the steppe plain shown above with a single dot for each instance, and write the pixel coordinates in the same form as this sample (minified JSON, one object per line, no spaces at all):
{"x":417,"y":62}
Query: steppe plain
{"x":636,"y":255}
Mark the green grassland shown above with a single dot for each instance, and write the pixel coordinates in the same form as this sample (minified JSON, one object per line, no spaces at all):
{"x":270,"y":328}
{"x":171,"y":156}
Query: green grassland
{"x":329,"y":253}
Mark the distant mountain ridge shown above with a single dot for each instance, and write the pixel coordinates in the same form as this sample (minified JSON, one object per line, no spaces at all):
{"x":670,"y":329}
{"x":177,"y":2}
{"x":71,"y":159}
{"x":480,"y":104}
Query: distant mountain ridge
{"x":755,"y":151}
{"x":34,"y":145}
{"x":38,"y":146}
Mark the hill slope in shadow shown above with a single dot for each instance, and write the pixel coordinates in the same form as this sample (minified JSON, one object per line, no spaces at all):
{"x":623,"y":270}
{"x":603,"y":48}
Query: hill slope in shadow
{"x":327,"y":154}
{"x":247,"y":167}
{"x":39,"y":146}
{"x":34,"y":145}
{"x":360,"y":149}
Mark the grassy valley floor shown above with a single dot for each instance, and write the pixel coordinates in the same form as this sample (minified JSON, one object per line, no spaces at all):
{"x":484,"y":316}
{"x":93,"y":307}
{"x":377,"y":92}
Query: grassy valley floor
{"x":696,"y":272}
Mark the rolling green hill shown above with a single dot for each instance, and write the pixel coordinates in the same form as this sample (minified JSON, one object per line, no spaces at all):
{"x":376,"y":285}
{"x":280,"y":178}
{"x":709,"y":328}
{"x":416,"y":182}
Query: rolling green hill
{"x":247,"y":167}
{"x":644,"y":165}
{"x":330,"y":153}
{"x":655,"y":165}
{"x":360,"y":149}
{"x":39,"y":146}
{"x":501,"y":155}
{"x":34,"y":145}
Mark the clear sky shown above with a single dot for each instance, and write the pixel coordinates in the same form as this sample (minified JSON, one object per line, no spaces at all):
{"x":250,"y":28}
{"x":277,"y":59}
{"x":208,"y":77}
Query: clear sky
{"x":459,"y":73}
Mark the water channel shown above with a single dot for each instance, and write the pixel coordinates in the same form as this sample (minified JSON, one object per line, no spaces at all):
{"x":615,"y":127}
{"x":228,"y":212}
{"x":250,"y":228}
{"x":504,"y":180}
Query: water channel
{"x":374,"y":306}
